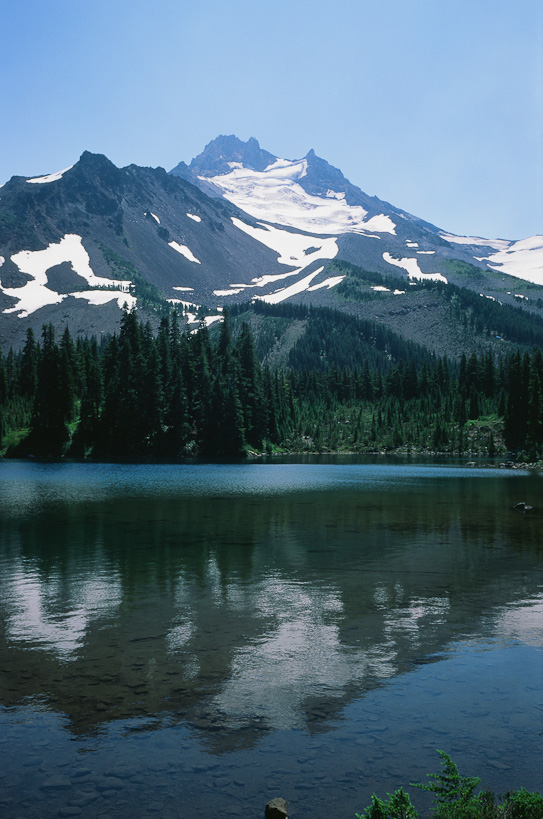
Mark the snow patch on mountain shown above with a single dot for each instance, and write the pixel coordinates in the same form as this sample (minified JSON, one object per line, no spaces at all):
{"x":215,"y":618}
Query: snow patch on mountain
{"x":287,"y":168}
{"x":185,"y":251}
{"x":413,"y":269}
{"x":274,"y":195}
{"x":295,"y":249}
{"x":522,"y":259}
{"x":98,"y":297}
{"x":155,"y":217}
{"x":194,"y":217}
{"x":52,"y":177}
{"x":31,"y":297}
{"x":35,"y":263}
{"x":497,"y":244}
{"x":233,"y":292}
{"x":209,"y":320}
{"x":292,"y":290}
{"x":328,"y":283}
{"x":262,"y":281}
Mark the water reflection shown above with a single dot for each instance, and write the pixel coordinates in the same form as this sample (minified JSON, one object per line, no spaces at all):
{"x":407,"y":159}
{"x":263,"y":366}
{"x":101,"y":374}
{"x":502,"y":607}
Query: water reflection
{"x":53,"y":615}
{"x":249,"y":612}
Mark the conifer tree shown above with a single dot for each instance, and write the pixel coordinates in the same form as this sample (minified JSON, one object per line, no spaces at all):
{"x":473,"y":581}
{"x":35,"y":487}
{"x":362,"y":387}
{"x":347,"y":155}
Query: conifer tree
{"x":28,"y":371}
{"x":534,"y":421}
{"x":51,"y":409}
{"x":250,"y":389}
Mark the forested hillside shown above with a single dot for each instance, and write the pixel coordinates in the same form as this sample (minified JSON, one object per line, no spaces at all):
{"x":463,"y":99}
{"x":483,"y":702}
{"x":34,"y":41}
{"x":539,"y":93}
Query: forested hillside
{"x":348,"y":385}
{"x":488,"y":314}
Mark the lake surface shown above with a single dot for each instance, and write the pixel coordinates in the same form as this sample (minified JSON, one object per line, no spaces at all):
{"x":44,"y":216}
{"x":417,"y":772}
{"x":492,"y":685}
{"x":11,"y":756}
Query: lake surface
{"x":194,"y":640}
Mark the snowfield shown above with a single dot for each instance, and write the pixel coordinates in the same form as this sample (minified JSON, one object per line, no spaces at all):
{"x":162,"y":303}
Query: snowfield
{"x":275,"y":195}
{"x":497,"y":244}
{"x":99,"y":297}
{"x":413,"y":269}
{"x":185,"y":251}
{"x":379,"y":288}
{"x":292,"y":290}
{"x":209,"y":320}
{"x":35,"y":263}
{"x":523,"y":259}
{"x":52,"y":177}
{"x":295,"y":249}
{"x":328,"y":283}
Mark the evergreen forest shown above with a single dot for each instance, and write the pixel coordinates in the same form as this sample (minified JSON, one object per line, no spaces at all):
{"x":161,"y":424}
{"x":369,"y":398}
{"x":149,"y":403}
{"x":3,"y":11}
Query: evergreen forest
{"x":347,"y":385}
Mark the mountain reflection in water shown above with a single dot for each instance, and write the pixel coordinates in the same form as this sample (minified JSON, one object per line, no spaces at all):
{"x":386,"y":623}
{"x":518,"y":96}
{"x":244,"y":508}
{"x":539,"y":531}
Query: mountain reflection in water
{"x":250,"y":600}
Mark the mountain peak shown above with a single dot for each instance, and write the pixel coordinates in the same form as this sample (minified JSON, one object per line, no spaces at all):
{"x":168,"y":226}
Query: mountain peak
{"x":96,"y":166}
{"x":92,"y":160}
{"x":217,"y":156}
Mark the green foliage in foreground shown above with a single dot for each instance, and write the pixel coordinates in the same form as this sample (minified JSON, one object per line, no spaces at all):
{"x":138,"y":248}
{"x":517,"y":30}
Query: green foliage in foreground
{"x":455,"y":798}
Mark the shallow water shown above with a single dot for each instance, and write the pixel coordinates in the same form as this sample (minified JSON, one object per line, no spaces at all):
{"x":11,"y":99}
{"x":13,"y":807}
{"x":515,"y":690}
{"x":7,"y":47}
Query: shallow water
{"x":195,"y":640}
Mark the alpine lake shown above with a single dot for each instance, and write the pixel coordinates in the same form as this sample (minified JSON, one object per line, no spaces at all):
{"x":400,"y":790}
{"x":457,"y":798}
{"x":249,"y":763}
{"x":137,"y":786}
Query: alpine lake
{"x":194,"y":640}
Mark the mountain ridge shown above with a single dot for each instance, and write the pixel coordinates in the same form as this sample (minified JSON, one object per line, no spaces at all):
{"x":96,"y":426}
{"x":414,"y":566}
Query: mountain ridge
{"x":236,"y":223}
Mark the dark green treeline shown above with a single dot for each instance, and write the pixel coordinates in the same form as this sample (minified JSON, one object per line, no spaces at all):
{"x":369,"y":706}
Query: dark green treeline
{"x":165,"y":396}
{"x":175,"y":394}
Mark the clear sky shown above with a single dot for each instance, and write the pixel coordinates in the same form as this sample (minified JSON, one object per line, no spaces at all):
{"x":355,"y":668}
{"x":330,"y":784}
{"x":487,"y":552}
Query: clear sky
{"x":434,"y":105}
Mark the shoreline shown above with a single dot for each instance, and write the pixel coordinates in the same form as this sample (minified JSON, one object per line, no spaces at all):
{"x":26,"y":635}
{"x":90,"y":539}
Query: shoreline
{"x":475,"y":462}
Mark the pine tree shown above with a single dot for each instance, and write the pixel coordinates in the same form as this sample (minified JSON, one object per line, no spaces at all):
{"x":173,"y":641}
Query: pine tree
{"x":28,"y":371}
{"x":87,"y":432}
{"x":514,"y":428}
{"x":250,"y":389}
{"x":176,"y":418}
{"x":51,"y":410}
{"x":3,"y":383}
{"x":534,"y":421}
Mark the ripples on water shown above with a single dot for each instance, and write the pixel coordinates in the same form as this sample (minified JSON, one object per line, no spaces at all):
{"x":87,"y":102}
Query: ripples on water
{"x":196,"y":639}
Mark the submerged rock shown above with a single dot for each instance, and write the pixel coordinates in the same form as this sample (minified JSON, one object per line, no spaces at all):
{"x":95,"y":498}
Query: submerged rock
{"x":522,"y":507}
{"x":276,"y":809}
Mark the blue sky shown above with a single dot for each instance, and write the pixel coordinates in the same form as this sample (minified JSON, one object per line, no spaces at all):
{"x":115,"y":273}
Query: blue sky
{"x":433,"y":105}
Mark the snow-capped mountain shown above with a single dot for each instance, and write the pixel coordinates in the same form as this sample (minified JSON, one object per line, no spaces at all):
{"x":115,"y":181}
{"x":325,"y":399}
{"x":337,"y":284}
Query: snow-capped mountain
{"x":78,"y":244}
{"x":237,"y":223}
{"x":312,"y":196}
